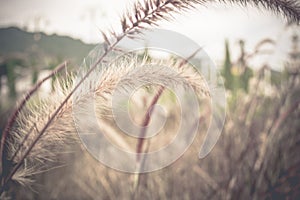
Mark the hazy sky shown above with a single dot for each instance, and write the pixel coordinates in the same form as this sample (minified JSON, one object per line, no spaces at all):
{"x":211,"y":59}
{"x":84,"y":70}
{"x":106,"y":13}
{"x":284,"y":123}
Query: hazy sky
{"x":207,"y":26}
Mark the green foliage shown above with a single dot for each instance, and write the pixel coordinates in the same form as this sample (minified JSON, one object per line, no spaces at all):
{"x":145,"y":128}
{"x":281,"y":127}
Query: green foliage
{"x":236,"y":76}
{"x":226,"y":72}
{"x":11,"y":78}
{"x":35,"y":75}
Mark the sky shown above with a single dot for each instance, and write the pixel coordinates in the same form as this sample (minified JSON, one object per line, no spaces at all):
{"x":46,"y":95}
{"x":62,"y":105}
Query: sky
{"x":208,"y":26}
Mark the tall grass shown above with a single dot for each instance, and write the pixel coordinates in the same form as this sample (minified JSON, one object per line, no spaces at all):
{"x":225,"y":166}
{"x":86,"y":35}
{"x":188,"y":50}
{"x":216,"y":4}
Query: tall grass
{"x":44,"y":127}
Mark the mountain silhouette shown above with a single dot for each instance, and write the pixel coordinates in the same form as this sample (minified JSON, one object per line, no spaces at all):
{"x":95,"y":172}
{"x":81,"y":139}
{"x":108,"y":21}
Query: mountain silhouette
{"x":16,"y":41}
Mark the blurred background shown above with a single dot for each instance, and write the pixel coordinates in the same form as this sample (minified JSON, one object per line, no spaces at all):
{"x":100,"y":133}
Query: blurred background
{"x":258,"y":55}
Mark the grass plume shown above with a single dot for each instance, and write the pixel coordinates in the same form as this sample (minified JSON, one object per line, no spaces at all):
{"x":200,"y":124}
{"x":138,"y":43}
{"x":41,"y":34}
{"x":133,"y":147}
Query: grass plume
{"x":44,"y":127}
